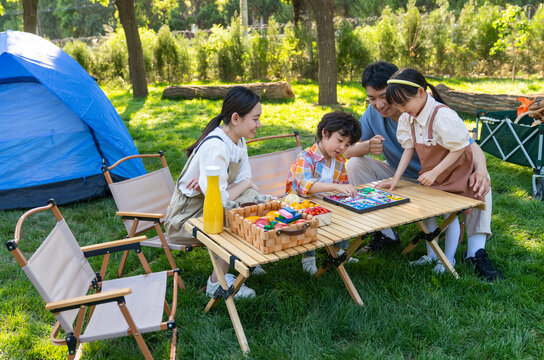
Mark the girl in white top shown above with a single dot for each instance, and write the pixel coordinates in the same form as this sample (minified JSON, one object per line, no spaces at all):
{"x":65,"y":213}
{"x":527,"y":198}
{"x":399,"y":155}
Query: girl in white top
{"x":223,"y":146}
{"x":441,"y":140}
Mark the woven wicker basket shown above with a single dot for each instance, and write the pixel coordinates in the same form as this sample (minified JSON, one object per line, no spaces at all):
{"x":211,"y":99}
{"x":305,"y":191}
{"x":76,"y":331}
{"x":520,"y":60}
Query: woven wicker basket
{"x":272,"y":240}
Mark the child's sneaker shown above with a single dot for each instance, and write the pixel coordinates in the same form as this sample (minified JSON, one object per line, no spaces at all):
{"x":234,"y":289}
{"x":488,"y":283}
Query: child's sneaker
{"x":308,"y":265}
{"x":424,"y":260}
{"x":258,"y":270}
{"x":439,"y":268}
{"x":483,"y":266}
{"x":244,"y":292}
{"x":351,"y":260}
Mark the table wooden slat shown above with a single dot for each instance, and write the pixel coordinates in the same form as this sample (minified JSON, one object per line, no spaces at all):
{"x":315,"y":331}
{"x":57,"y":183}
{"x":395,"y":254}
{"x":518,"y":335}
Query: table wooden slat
{"x":424,"y":203}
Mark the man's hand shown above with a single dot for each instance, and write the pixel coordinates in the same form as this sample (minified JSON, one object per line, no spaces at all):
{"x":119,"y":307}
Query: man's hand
{"x":479,"y":183}
{"x":427,"y":178}
{"x":375,"y":146}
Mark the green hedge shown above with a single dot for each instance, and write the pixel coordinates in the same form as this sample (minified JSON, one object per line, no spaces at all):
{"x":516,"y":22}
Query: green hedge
{"x":442,"y":42}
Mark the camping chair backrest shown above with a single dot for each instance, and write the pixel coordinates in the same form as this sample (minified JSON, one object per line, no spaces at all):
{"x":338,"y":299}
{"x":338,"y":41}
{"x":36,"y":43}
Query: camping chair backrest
{"x":269,"y":171}
{"x":149,"y":193}
{"x":57,"y":269}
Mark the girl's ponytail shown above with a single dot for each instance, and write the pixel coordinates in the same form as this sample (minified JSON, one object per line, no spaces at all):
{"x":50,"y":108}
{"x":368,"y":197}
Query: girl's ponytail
{"x":436,"y":95}
{"x":215,"y":122}
{"x":239,"y":100}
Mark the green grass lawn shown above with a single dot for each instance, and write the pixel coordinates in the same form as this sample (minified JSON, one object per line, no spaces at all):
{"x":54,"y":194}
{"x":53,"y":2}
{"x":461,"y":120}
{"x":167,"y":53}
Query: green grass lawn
{"x":408,"y":312}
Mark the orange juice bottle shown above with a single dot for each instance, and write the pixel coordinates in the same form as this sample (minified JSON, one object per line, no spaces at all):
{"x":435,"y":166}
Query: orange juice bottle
{"x":213,"y":205}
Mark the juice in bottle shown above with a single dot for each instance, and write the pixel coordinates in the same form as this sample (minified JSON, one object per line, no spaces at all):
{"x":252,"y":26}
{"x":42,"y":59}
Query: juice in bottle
{"x":213,"y":205}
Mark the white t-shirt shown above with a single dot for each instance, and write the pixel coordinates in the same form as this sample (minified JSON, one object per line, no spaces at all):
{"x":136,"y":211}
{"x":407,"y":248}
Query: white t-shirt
{"x":220,"y":153}
{"x":327,"y":175}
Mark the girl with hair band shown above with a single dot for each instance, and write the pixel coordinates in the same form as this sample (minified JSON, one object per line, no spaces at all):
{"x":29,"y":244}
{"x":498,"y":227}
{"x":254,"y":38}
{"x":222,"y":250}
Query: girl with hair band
{"x":223,"y":146}
{"x":441,"y":141}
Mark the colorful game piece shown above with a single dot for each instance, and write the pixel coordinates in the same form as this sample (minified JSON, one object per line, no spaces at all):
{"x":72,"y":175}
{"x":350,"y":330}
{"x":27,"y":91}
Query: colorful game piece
{"x":368,"y":199}
{"x":286,"y":214}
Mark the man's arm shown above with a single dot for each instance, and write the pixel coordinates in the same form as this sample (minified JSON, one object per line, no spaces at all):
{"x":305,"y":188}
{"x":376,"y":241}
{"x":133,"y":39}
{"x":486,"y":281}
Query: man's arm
{"x":479,"y":180}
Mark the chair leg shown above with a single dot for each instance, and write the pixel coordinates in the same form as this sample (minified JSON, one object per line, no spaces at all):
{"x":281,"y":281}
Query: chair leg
{"x":168,"y":253}
{"x":79,"y":352}
{"x":135,"y":331}
{"x":122,"y":264}
{"x":173,"y":344}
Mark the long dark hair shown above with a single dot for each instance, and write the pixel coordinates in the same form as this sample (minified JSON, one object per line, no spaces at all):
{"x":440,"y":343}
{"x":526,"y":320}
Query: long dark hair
{"x":238,"y":100}
{"x":400,"y":93}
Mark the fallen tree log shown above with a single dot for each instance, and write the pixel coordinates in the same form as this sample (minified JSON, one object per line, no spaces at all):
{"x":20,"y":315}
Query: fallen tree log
{"x":274,"y":90}
{"x":470,"y":102}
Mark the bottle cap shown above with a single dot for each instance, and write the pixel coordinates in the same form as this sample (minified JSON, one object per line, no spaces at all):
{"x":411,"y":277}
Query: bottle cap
{"x":213,"y":170}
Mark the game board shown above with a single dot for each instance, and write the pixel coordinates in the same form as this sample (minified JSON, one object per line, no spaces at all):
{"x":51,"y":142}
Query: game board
{"x":368,"y":199}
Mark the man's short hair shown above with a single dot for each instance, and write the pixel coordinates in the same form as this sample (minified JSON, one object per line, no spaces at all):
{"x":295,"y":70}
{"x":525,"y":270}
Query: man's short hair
{"x":377,"y":74}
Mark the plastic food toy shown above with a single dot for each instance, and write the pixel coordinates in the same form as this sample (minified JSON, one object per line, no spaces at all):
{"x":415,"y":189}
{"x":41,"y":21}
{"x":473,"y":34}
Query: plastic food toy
{"x":292,"y":198}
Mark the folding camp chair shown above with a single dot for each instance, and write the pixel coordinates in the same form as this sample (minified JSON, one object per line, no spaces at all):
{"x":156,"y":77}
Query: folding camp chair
{"x":142,"y":202}
{"x":269,"y":171}
{"x":514,"y":142}
{"x":61,"y":274}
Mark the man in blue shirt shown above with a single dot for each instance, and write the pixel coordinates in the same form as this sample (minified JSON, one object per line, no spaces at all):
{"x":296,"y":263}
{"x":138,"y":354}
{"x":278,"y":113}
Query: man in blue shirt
{"x":379,"y":125}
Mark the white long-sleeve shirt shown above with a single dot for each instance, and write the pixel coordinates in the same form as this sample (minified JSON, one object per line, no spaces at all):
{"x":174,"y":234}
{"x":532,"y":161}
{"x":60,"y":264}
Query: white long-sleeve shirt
{"x":219,"y":153}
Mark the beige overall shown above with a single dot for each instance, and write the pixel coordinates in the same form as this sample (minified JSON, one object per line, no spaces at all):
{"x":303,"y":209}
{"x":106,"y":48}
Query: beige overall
{"x":182,"y":208}
{"x":455,"y":179}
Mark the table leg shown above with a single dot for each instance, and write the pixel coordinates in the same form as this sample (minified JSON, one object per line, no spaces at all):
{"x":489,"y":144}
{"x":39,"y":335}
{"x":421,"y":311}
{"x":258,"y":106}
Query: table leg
{"x":343,"y":273}
{"x":233,"y":313}
{"x":349,"y":253}
{"x":437,"y":250}
{"x":412,"y":245}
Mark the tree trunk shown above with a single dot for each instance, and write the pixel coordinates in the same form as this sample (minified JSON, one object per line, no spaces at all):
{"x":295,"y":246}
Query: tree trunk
{"x":470,"y":102}
{"x":30,"y":16}
{"x":136,"y":64}
{"x":276,"y":90}
{"x":297,"y":11}
{"x":243,"y":18}
{"x":326,"y":51}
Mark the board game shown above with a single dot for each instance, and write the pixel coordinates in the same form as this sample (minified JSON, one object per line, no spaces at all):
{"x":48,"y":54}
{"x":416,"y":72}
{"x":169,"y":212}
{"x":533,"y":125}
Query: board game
{"x":368,"y":199}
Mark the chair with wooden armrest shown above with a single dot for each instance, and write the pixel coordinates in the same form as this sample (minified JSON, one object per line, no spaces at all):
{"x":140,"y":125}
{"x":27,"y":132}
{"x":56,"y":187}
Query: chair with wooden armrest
{"x":142,"y":202}
{"x":87,"y":308}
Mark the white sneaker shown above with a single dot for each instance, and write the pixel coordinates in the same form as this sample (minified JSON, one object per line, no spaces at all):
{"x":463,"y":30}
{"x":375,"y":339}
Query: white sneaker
{"x":243,"y":293}
{"x":308,"y":265}
{"x":351,"y":260}
{"x":424,"y":260}
{"x":258,"y":270}
{"x":439,"y":268}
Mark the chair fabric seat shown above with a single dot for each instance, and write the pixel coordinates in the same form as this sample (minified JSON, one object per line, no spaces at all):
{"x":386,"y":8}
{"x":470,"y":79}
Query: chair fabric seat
{"x":156,"y":242}
{"x":145,"y":304}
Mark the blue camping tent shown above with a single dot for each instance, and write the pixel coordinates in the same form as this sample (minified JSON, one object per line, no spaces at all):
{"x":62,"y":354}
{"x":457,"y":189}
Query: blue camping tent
{"x":57,"y":127}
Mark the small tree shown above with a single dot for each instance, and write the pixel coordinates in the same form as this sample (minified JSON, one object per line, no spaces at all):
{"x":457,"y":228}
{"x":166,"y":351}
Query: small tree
{"x":513,"y":29}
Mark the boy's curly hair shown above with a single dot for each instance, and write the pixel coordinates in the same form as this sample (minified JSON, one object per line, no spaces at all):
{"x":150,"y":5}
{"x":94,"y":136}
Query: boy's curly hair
{"x":343,"y":122}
